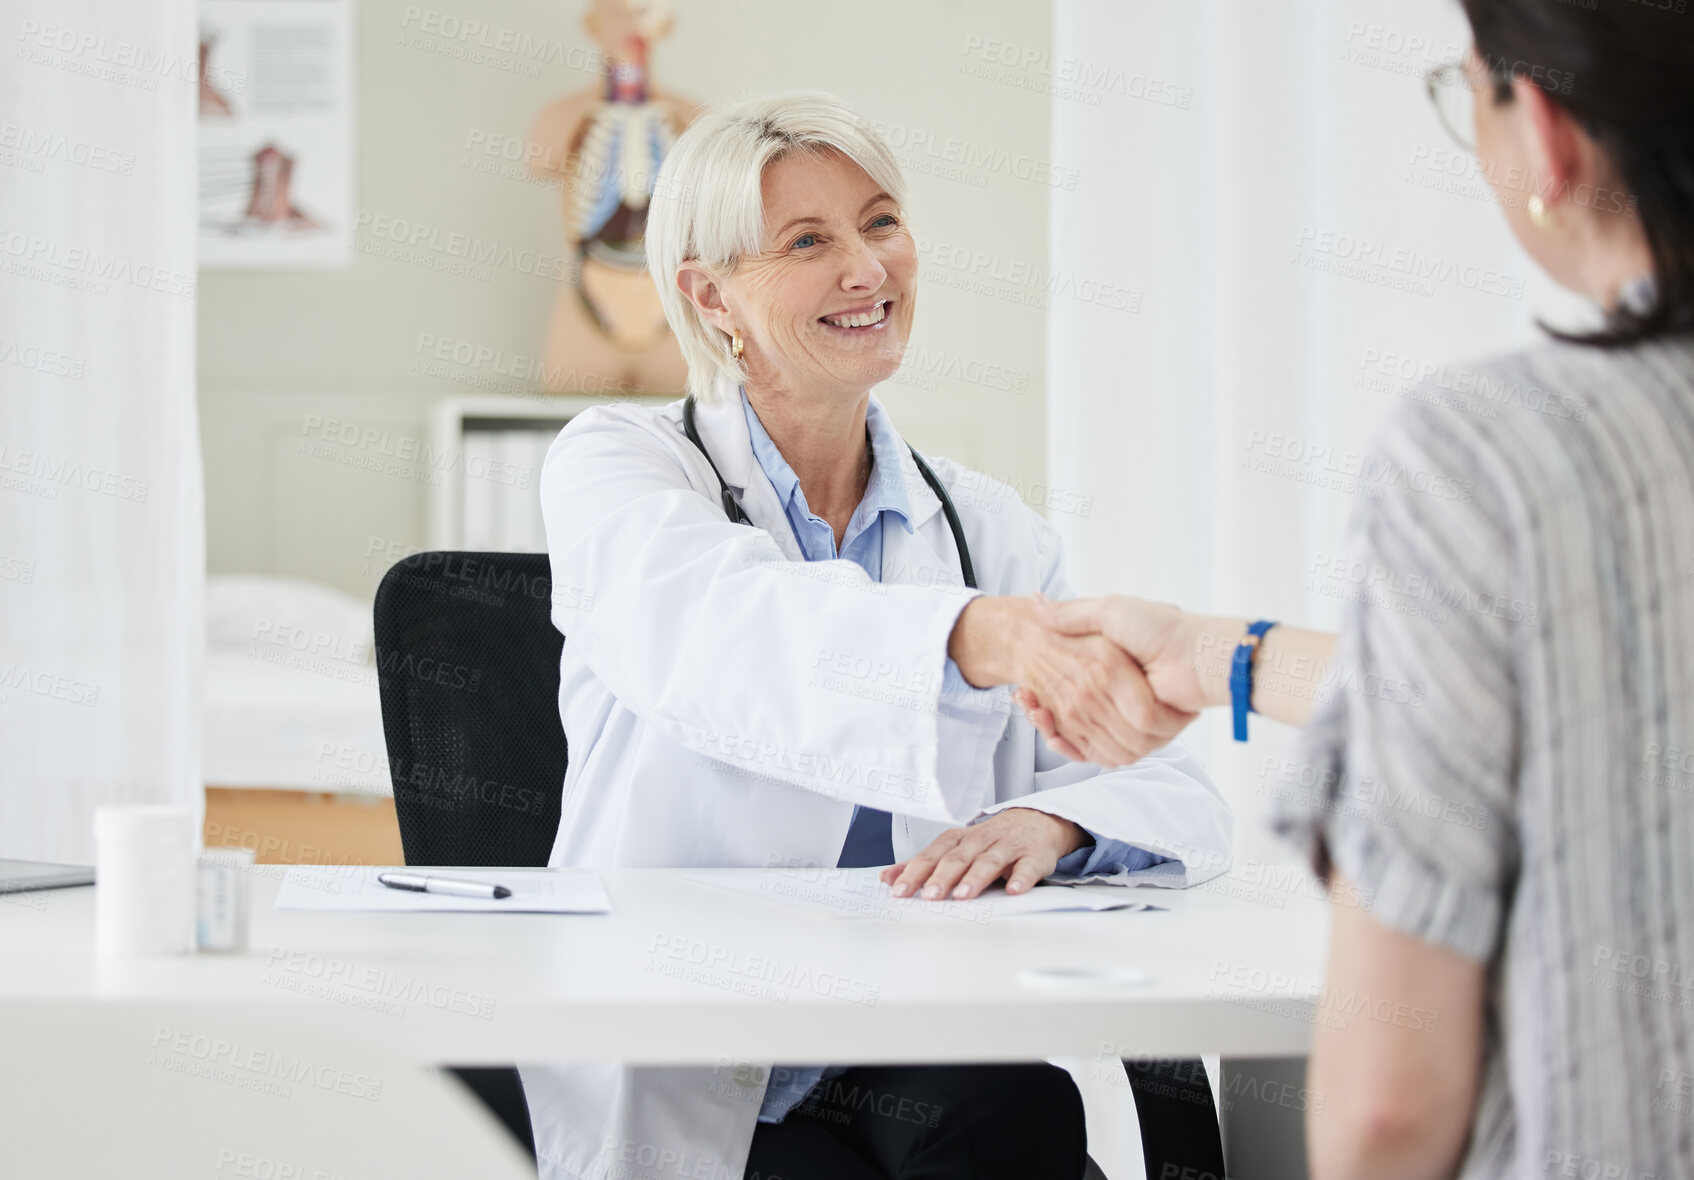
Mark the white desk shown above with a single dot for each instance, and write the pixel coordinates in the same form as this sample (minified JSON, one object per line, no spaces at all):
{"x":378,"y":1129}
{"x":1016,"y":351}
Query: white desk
{"x":680,"y":973}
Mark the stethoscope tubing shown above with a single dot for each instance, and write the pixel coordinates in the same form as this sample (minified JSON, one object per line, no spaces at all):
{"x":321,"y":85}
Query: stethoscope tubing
{"x":734,"y":512}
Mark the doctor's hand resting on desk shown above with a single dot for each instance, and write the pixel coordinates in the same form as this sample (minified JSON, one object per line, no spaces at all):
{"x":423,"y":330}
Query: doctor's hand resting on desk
{"x":1020,"y":844}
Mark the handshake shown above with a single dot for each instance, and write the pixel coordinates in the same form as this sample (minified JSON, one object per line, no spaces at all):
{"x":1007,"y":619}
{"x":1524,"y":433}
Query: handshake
{"x":1105,"y":680}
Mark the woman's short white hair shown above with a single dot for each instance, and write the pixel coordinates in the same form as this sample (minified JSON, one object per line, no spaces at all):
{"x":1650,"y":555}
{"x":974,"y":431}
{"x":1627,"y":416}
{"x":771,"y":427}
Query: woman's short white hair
{"x":708,"y":204}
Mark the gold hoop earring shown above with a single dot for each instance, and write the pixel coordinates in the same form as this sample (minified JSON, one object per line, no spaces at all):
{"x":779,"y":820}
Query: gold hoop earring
{"x":735,"y":346}
{"x":1540,"y":213}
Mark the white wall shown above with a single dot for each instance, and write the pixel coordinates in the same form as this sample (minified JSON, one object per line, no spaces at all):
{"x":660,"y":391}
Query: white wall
{"x":1305,"y":122}
{"x":276,"y":348}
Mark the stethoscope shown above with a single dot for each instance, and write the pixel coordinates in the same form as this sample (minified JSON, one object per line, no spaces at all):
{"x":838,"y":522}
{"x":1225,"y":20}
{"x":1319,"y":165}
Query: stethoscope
{"x":733,"y":510}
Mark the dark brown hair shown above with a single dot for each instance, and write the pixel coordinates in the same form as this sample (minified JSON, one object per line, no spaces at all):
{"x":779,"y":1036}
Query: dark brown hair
{"x":1624,"y":70}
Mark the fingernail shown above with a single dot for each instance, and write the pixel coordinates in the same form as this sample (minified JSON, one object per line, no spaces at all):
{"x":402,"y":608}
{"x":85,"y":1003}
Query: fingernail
{"x":902,"y":889}
{"x":962,"y":891}
{"x":1014,"y":887}
{"x":932,"y":891}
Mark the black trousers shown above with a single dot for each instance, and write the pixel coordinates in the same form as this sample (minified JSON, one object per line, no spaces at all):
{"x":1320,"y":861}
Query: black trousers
{"x":929,"y":1122}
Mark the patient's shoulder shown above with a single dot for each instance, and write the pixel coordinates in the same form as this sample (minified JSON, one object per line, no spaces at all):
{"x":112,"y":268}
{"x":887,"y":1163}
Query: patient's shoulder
{"x":1527,"y":397}
{"x":1512,"y":428}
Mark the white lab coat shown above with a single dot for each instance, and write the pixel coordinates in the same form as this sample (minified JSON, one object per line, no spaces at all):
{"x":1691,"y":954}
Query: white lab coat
{"x":727,"y":705}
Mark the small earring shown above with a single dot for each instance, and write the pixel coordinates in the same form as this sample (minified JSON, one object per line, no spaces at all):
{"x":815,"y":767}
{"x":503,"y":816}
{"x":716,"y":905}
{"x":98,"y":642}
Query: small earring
{"x":1540,"y":213}
{"x":735,"y":345}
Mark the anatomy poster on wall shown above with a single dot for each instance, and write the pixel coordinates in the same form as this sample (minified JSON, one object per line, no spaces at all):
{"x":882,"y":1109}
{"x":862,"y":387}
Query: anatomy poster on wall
{"x":276,"y":133}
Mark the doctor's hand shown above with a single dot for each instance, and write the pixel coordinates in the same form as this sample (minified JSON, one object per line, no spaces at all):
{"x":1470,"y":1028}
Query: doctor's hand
{"x":1020,"y":844}
{"x":1163,"y":641}
{"x":1094,"y":696}
{"x":1166,"y":641}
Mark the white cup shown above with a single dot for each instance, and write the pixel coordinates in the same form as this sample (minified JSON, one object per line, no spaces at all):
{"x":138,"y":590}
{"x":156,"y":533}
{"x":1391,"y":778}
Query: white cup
{"x":144,"y":878}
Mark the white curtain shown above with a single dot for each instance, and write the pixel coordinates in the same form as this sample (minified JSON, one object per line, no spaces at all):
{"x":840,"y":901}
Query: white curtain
{"x":102,"y":552}
{"x":1272,"y":181}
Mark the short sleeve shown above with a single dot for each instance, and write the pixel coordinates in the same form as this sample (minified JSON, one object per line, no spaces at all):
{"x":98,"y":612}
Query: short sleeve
{"x":1404,"y":782}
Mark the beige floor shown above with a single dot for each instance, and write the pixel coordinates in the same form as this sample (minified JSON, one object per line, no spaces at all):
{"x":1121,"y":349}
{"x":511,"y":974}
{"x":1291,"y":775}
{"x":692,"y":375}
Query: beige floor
{"x":304,"y":827}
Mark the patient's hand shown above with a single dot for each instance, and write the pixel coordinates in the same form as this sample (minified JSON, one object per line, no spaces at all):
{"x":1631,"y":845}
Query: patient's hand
{"x":1161,"y":641}
{"x":1160,"y":637}
{"x":1095,"y":695}
{"x":1021,"y":844}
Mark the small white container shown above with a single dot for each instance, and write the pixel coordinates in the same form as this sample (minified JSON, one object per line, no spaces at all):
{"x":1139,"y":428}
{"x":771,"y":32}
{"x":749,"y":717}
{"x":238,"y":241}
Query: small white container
{"x":225,"y":899}
{"x":144,"y":880}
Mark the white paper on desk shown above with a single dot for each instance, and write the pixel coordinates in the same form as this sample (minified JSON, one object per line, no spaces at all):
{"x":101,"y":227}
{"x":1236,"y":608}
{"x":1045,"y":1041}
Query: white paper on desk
{"x":856,"y":893}
{"x":355,"y":888}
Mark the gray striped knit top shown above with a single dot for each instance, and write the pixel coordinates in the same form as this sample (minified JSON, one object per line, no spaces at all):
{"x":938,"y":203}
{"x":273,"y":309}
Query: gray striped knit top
{"x":1504,"y":761}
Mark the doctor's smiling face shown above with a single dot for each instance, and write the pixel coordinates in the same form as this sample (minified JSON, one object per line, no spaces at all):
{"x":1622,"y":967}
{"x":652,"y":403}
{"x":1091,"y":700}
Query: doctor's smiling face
{"x":825,"y":306}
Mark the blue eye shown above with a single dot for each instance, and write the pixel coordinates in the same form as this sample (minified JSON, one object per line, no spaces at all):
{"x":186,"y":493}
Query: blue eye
{"x":804,"y":241}
{"x":885,"y":219}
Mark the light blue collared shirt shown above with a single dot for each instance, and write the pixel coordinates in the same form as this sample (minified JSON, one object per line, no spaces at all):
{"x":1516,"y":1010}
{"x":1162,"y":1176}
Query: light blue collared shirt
{"x":885,"y":505}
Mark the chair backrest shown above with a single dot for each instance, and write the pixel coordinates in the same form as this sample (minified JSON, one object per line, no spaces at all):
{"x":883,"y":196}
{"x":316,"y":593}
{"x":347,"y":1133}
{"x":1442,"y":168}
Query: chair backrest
{"x":468,"y":666}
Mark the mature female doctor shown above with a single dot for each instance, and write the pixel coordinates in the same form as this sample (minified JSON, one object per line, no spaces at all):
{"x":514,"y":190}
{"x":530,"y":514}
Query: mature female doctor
{"x":784,"y":662}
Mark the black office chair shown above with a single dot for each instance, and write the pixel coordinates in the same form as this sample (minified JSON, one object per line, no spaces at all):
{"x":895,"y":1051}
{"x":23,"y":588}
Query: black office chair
{"x":468,"y":666}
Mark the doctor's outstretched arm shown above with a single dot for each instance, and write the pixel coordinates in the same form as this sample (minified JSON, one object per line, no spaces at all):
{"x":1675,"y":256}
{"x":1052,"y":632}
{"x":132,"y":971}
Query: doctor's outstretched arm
{"x":809,"y":673}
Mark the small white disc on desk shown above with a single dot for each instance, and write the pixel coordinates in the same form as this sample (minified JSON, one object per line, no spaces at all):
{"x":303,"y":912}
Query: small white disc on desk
{"x":1083,"y":978}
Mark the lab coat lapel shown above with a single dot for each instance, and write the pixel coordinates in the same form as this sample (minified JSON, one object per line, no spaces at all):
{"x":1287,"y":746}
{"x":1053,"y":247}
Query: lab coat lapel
{"x":925,"y":556}
{"x":723,"y":428}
